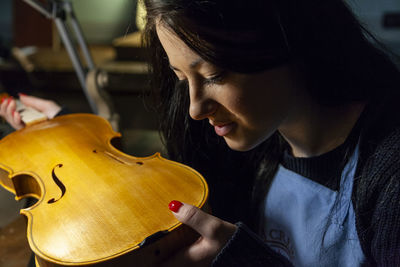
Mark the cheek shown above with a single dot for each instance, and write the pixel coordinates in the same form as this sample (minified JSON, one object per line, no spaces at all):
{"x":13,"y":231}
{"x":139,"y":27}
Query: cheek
{"x":262,"y":106}
{"x":274,"y":95}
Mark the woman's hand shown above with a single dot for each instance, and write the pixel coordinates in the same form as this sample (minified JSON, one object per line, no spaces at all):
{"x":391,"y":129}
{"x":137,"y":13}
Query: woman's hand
{"x":214,"y":234}
{"x":8,"y":106}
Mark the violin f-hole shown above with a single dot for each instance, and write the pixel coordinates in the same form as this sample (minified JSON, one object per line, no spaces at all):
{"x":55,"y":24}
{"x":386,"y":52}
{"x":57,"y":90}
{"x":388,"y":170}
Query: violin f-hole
{"x":58,"y":183}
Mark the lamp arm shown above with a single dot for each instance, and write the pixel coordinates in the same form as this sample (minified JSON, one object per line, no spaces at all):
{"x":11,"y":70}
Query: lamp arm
{"x":59,"y":11}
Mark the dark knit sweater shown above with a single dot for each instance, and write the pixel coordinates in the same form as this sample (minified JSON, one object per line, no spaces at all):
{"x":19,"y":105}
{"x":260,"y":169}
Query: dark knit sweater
{"x":376,"y":199}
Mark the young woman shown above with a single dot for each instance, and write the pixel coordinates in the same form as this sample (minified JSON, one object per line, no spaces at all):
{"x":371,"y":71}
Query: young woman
{"x":290,"y":110}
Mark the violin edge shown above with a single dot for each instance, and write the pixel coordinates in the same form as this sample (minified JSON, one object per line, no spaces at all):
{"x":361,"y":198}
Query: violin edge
{"x":17,"y":183}
{"x":133,"y":252}
{"x":10,"y":175}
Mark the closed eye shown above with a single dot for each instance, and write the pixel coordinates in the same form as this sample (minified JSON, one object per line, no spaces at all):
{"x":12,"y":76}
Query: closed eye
{"x":217,"y":78}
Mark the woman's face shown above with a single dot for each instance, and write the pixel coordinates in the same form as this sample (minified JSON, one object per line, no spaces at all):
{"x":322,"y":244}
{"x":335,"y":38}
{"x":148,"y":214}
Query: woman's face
{"x":245,"y":109}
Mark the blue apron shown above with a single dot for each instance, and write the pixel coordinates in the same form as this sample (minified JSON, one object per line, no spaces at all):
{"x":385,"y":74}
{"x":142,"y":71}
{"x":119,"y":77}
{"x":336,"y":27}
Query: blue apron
{"x":311,"y":224}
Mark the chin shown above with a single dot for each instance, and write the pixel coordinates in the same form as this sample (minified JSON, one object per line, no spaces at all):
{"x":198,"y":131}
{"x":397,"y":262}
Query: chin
{"x":241,"y":146}
{"x":245,"y":144}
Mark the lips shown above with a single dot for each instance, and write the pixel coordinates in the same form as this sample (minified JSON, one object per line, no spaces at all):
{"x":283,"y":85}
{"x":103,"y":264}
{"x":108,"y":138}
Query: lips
{"x":223,"y":129}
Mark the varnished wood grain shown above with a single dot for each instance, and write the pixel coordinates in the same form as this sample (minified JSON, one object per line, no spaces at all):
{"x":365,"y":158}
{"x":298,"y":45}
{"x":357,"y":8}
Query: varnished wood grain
{"x":96,"y":204}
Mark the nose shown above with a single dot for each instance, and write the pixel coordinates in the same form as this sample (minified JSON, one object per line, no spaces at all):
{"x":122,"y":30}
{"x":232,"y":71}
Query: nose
{"x":202,"y":104}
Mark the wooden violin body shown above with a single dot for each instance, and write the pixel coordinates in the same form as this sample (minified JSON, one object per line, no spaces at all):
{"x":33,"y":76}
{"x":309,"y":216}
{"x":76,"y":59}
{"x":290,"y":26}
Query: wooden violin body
{"x":96,"y":205}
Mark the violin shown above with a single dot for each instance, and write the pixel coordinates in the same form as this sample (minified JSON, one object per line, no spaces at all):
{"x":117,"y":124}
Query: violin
{"x":96,"y":205}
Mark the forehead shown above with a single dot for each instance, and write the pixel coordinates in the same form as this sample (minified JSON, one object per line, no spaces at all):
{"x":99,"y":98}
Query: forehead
{"x":177,"y":51}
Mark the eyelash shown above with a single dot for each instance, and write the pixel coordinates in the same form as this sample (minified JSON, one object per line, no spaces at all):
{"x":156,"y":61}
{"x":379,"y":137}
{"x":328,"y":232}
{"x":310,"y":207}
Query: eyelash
{"x":217,"y":78}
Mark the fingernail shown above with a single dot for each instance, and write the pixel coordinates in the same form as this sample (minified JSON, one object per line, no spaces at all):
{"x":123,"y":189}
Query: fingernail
{"x":2,"y":99}
{"x":175,"y":205}
{"x":21,"y":94}
{"x":9,"y":99}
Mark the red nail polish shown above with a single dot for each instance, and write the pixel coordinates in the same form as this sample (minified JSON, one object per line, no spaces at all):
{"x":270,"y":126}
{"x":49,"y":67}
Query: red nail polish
{"x":2,"y":99}
{"x":21,"y":94}
{"x":9,"y":99}
{"x":175,"y":205}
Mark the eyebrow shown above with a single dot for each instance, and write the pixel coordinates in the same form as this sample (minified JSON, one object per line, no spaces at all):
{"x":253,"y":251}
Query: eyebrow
{"x":192,"y":65}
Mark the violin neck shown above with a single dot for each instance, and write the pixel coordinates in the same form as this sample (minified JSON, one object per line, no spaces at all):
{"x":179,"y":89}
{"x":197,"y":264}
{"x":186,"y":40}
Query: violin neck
{"x":29,"y":115}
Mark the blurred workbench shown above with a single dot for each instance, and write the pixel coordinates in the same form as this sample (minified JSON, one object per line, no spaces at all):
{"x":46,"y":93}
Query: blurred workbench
{"x":50,"y":73}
